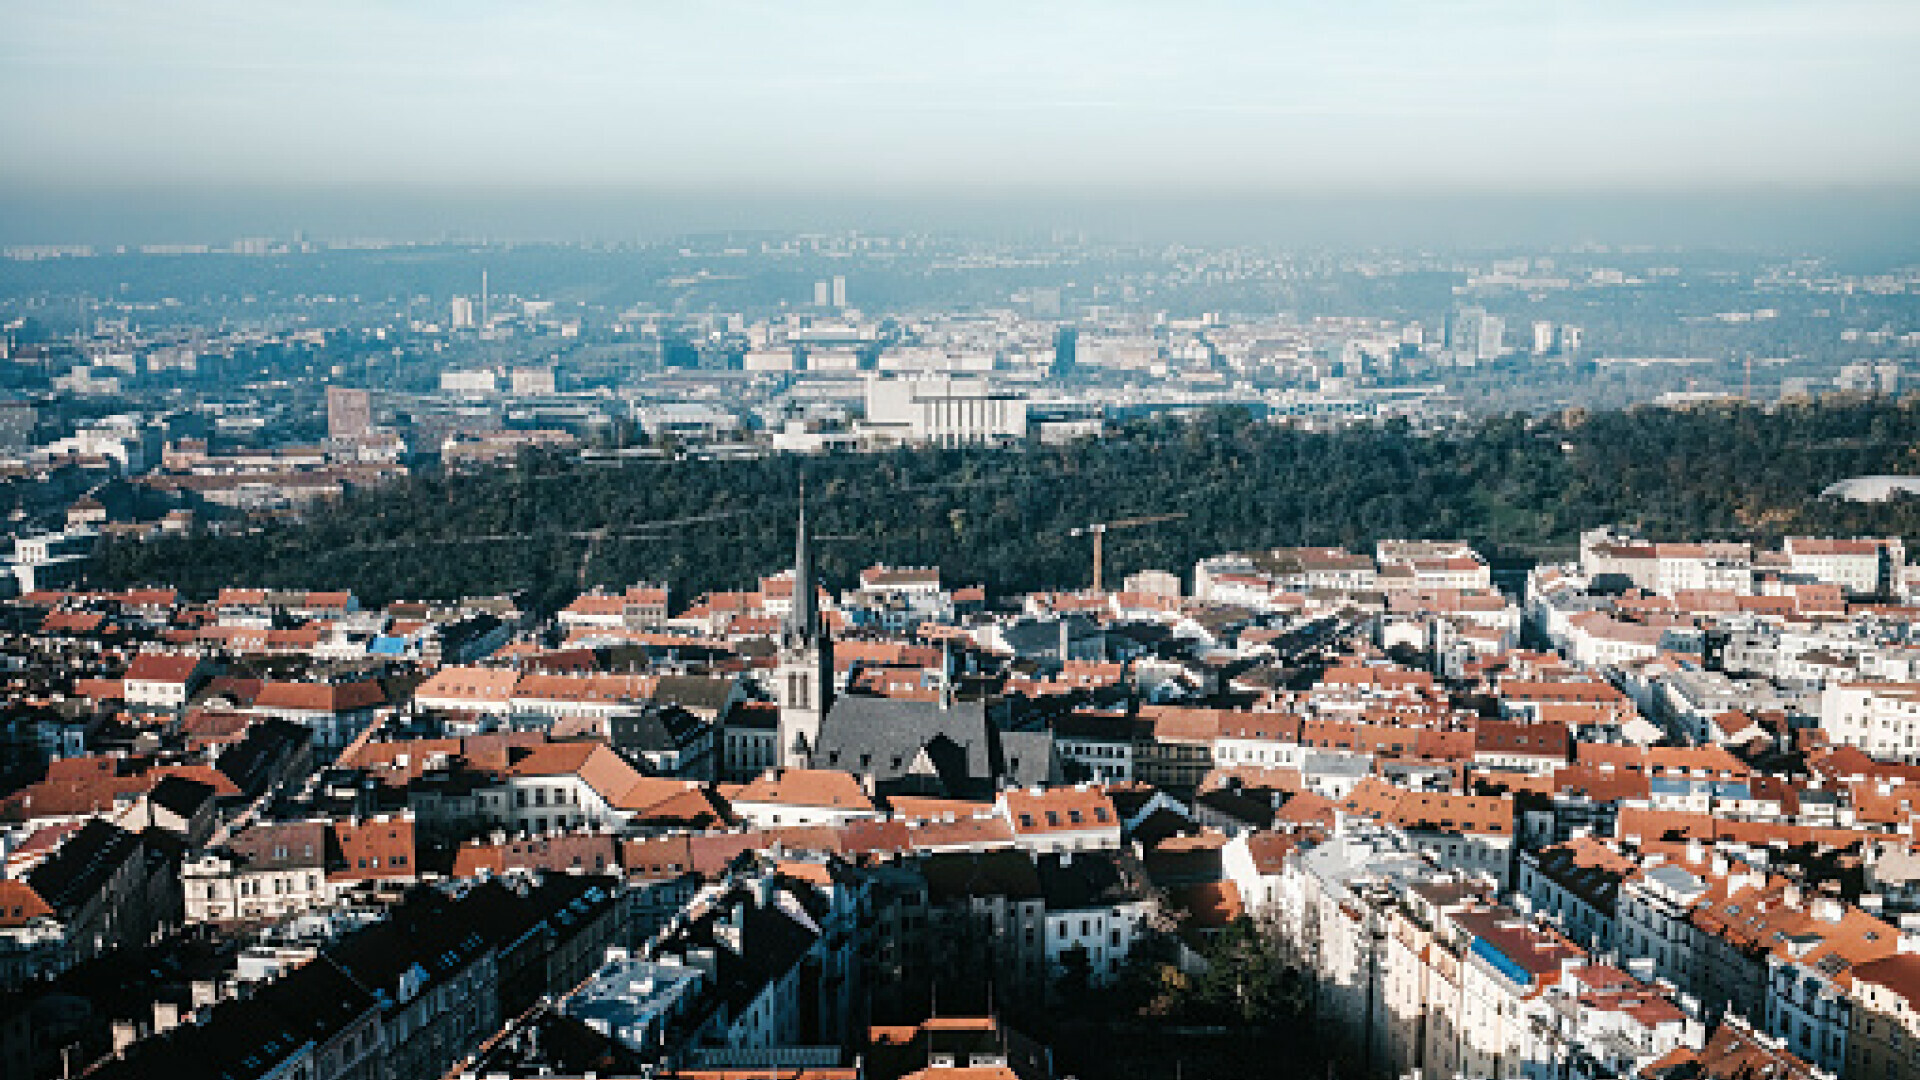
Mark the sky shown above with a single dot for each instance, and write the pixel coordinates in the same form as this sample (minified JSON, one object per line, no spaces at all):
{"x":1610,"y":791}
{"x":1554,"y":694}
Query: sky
{"x":189,"y":100}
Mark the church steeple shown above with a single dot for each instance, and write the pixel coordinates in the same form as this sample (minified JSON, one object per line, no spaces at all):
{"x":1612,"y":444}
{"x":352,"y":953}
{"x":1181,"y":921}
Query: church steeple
{"x":803,"y":622}
{"x":803,"y":680}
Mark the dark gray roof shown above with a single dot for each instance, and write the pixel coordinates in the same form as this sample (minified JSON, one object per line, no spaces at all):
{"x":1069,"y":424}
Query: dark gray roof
{"x":1042,"y":638}
{"x":180,"y":795}
{"x":960,"y":874}
{"x":83,"y":865}
{"x":885,"y":738}
{"x":1030,"y":758}
{"x":700,"y":693}
{"x":656,"y":729}
{"x":1084,"y":879}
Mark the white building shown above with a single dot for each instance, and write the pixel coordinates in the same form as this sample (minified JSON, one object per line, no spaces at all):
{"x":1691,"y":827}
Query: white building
{"x":945,"y":410}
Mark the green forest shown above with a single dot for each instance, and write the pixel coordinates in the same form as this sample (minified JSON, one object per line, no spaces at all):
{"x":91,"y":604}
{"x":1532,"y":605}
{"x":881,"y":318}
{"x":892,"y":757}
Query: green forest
{"x":1520,"y":487}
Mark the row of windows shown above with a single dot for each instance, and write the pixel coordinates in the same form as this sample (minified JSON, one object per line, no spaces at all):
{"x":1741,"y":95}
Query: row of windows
{"x":562,"y":796}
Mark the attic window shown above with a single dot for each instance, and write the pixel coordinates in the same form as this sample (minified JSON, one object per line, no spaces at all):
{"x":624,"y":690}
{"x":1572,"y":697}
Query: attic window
{"x":1026,"y":821}
{"x":1053,"y":817}
{"x":1100,"y":813}
{"x":1073,"y":816}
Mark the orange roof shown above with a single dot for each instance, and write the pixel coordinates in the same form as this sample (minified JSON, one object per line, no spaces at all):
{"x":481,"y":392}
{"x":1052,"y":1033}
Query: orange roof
{"x":320,"y":697}
{"x":1061,"y":809}
{"x":1210,"y":905}
{"x":805,"y":787}
{"x":162,"y":667}
{"x":1376,"y":798}
{"x":19,"y":904}
{"x":609,"y":688}
{"x":595,"y":763}
{"x":927,"y":808}
{"x":470,"y":684}
{"x":376,"y":849}
{"x":222,"y":785}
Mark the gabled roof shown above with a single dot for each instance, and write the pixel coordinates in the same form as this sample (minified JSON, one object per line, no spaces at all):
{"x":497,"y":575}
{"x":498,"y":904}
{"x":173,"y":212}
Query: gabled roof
{"x":595,"y":763}
{"x":162,"y":668}
{"x":1063,"y":809}
{"x":282,"y":845}
{"x":83,"y":865}
{"x":20,"y":904}
{"x":805,"y":787}
{"x":321,"y":697}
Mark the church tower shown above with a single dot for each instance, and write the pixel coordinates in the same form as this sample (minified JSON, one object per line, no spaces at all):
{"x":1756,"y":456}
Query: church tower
{"x":803,"y":682}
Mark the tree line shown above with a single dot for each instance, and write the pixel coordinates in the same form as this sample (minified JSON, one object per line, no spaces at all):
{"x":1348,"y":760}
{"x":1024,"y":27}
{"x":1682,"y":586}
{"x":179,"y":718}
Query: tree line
{"x":1519,"y":487}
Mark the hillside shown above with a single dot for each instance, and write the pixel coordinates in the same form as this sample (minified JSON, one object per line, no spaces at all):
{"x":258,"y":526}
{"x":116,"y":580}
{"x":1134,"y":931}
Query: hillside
{"x":1517,"y":487}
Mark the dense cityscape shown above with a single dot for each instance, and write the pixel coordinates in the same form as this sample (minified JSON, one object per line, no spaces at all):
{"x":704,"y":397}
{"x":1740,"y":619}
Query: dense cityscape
{"x":307,"y":777}
{"x":995,"y":541}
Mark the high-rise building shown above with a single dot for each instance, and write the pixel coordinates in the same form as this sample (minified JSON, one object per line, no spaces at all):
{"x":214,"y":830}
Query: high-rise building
{"x":1066,"y":346}
{"x":1542,"y":338}
{"x":1474,"y":335}
{"x":349,"y":412}
{"x":822,"y":294}
{"x":803,"y":679}
{"x":462,"y":313}
{"x":1493,"y":331}
{"x":839,"y":292}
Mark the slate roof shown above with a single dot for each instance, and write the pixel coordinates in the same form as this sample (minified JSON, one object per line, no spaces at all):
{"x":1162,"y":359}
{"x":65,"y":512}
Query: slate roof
{"x":252,"y":1036}
{"x":75,"y":873}
{"x":884,"y":738}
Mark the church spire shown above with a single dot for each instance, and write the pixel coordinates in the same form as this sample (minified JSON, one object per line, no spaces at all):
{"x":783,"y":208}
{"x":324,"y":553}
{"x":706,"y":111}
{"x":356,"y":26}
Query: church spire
{"x":804,"y":623}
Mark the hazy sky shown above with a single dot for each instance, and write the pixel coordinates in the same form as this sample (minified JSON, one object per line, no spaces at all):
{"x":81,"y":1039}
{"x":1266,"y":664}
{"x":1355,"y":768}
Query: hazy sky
{"x":893,"y":96}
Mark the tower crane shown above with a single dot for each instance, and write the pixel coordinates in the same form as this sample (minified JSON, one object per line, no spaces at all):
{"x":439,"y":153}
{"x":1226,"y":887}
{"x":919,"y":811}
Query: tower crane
{"x":1098,"y":530}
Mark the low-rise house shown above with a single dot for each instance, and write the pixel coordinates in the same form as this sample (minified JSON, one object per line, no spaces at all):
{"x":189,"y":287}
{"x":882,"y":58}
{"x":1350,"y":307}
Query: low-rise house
{"x":316,"y":1022}
{"x":334,"y":712}
{"x":103,"y":888}
{"x":1078,"y":818}
{"x":162,"y":682}
{"x":1577,"y":884}
{"x":266,"y":871}
{"x":1884,"y":1029}
{"x":786,"y":797}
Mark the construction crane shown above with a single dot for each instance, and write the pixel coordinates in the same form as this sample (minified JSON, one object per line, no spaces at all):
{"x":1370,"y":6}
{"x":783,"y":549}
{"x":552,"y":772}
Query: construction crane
{"x":1099,"y":531}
